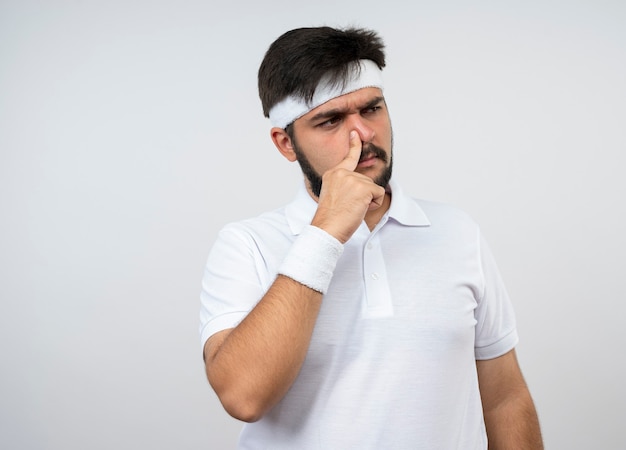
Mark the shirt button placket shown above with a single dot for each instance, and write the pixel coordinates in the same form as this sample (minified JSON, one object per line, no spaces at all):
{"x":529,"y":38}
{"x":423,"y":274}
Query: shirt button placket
{"x":378,"y":298}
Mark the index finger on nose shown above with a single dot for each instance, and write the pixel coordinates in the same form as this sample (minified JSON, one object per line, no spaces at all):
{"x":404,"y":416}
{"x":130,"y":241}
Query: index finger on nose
{"x":354,"y":153}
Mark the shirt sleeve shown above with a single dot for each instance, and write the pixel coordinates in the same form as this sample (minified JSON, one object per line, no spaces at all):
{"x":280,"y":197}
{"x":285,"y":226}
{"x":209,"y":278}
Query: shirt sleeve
{"x":230,"y":282}
{"x":496,"y":331}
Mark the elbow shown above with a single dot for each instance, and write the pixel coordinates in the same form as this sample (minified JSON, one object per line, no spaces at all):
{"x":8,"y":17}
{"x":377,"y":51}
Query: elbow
{"x":238,"y":399}
{"x":242,"y":407}
{"x":239,"y":395}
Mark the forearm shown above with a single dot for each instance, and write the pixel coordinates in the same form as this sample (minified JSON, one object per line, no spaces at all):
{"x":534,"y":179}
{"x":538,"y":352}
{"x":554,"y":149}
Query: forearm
{"x":512,"y":424}
{"x":254,"y":366}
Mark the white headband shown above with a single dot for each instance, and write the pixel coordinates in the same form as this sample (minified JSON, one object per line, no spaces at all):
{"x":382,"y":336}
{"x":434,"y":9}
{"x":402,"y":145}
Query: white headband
{"x":291,"y":108}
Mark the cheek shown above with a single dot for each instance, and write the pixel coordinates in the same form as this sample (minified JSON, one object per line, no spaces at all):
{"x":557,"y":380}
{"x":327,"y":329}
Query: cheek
{"x":325,"y":154}
{"x":386,"y":133}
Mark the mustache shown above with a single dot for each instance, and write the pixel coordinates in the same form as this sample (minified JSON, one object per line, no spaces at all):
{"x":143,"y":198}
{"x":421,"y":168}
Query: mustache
{"x":371,"y":150}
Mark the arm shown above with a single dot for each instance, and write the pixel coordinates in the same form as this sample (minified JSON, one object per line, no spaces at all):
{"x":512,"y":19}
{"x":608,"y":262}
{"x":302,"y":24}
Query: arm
{"x":510,"y":415}
{"x":252,"y":366}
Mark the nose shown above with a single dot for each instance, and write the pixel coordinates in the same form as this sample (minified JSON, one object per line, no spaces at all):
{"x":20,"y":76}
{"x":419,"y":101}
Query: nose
{"x":365,"y":131}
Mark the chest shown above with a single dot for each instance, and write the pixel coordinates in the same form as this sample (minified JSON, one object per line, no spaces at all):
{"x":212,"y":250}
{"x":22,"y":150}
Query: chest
{"x":406,"y":291}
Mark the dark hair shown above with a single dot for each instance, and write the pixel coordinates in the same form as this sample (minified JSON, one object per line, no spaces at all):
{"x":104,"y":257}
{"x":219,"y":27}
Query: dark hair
{"x":297,"y":60}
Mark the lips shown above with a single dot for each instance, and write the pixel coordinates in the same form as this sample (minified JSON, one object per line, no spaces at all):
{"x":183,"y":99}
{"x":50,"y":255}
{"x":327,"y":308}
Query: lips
{"x":372,"y":151}
{"x":368,"y":160}
{"x":367,"y":156}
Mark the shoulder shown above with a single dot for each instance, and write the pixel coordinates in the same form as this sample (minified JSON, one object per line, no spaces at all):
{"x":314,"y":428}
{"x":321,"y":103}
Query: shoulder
{"x":445,"y":214}
{"x":268,"y":227}
{"x":410,"y":210}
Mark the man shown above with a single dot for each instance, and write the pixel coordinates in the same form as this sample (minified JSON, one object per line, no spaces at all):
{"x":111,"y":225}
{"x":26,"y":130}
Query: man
{"x":356,"y":317}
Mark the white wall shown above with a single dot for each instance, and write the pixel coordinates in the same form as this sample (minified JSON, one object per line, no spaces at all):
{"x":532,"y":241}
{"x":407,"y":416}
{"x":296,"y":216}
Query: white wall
{"x":130,"y":132}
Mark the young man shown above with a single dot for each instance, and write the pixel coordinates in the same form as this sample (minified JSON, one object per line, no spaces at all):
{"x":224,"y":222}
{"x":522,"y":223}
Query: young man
{"x":356,"y":317}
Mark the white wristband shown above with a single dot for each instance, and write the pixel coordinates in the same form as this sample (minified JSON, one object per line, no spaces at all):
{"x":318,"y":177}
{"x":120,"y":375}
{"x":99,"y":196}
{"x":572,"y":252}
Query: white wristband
{"x":312,"y":258}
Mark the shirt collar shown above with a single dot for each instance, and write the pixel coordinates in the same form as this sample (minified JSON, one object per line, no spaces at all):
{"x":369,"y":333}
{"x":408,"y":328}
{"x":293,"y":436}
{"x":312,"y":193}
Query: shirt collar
{"x":403,"y":209}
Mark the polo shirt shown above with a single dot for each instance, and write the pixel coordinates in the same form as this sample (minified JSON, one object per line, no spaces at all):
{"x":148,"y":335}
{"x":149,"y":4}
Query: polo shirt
{"x":411,"y":306}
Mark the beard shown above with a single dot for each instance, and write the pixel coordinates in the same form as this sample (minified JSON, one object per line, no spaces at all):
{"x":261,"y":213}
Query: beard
{"x":368,"y":150}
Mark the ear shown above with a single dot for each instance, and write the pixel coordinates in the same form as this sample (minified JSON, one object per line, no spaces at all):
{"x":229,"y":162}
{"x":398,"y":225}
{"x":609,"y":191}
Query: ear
{"x":282,"y":141}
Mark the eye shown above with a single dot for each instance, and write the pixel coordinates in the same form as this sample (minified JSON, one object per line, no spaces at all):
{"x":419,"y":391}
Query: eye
{"x":371,"y":109}
{"x":330,"y":122}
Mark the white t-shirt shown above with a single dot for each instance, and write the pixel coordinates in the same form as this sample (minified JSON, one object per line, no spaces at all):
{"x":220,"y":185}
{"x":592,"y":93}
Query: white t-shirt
{"x":391,"y":365}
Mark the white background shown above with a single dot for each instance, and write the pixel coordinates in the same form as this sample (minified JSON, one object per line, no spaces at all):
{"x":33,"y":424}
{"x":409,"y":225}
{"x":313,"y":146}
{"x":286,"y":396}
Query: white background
{"x":131,"y":131}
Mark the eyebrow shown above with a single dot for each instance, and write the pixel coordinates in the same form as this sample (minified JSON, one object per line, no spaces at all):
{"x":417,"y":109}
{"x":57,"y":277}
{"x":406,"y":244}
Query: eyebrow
{"x":339,"y":111}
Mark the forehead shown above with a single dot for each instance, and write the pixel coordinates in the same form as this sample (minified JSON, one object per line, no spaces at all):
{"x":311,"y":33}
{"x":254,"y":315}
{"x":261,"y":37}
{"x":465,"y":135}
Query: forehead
{"x":352,"y":101}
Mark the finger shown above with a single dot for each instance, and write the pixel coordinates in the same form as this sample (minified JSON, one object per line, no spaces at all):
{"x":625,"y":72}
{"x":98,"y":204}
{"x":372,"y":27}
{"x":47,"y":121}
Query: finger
{"x":354,"y":153}
{"x":378,"y":198}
